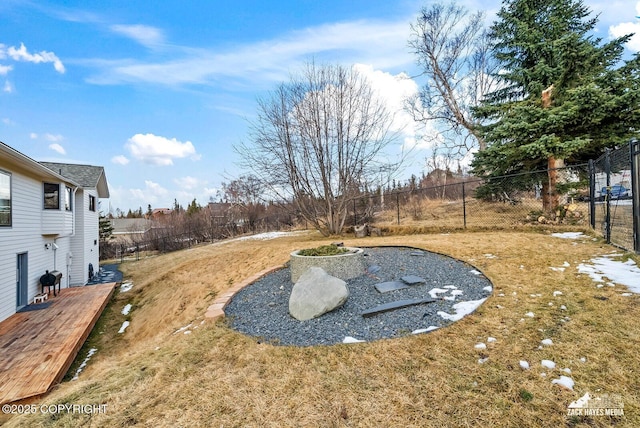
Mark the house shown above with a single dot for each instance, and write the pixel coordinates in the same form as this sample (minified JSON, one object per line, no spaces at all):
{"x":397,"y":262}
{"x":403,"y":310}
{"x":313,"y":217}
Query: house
{"x":129,"y":230}
{"x":48,"y":221}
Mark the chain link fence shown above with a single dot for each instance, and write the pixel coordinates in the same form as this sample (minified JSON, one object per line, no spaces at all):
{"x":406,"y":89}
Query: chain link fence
{"x":468,"y":202}
{"x":614,"y":196}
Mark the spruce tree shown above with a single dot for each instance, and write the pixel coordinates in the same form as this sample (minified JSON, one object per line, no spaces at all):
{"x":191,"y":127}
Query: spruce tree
{"x":591,"y":102}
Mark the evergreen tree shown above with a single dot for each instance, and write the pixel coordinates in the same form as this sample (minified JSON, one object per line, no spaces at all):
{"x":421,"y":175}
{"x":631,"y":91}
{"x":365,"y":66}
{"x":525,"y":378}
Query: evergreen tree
{"x":105,"y":227}
{"x":564,"y":95}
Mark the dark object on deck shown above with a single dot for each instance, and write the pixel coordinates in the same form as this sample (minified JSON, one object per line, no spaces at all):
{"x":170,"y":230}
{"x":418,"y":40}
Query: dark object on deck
{"x":35,"y":307}
{"x":91,"y":273}
{"x":395,"y":305}
{"x":51,"y":279}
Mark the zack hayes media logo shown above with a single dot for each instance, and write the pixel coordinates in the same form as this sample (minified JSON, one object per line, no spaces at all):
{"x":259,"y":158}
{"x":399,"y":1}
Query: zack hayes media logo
{"x":597,"y":405}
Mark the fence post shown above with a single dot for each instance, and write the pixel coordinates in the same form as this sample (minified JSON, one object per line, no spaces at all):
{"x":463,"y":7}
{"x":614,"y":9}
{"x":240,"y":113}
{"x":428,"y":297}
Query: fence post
{"x":607,"y":217}
{"x":592,"y":194}
{"x":464,"y":206}
{"x":398,"y":205}
{"x":634,"y":148}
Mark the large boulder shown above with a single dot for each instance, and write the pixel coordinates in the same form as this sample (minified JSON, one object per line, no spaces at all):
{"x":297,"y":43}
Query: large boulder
{"x":316,"y":293}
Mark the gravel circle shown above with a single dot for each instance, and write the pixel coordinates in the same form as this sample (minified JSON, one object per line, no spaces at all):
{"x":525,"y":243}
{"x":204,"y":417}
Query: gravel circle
{"x":261,"y":309}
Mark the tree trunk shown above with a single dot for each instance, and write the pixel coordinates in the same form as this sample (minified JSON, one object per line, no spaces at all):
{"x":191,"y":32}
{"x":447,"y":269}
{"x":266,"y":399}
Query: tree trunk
{"x":550,"y":196}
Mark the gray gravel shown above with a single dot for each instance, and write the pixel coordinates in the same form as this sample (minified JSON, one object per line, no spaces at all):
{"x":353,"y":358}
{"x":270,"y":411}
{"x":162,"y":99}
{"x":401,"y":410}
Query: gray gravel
{"x":261,"y":309}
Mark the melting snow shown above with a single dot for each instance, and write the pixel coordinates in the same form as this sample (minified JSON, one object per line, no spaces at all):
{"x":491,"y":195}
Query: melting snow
{"x":350,"y":339}
{"x":480,"y":346}
{"x":462,"y":309}
{"x":84,"y":363}
{"x":529,"y":314}
{"x":124,"y":327}
{"x":491,"y":339}
{"x":425,"y":330}
{"x":548,"y":364}
{"x":569,"y":235}
{"x":524,"y":365}
{"x":565,"y":381}
{"x":126,"y":309}
{"x":182,"y":328}
{"x":126,"y":287}
{"x":435,"y":291}
{"x":625,"y":273}
{"x":547,"y":342}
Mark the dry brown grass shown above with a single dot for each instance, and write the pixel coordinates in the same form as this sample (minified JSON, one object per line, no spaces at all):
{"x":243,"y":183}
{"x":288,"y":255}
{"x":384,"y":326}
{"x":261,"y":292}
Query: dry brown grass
{"x":218,"y":377}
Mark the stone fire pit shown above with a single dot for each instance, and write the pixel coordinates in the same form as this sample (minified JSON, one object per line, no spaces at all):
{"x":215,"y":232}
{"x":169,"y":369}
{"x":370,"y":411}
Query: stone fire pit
{"x":344,"y":266}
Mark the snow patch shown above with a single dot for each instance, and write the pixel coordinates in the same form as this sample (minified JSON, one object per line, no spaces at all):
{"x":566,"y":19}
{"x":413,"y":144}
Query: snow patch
{"x":548,"y":364}
{"x":123,"y":327}
{"x":625,"y":273}
{"x":462,"y":309}
{"x":569,"y":235}
{"x":126,"y":309}
{"x":126,"y":287}
{"x":349,"y":339}
{"x":480,"y":346}
{"x":565,"y":381}
{"x":547,"y":342}
{"x":524,"y":365}
{"x":84,"y":363}
{"x":425,"y":330}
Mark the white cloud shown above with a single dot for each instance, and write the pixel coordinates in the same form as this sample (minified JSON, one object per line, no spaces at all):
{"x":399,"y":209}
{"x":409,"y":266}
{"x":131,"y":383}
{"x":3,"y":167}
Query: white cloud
{"x":157,"y":150}
{"x":143,"y":34}
{"x":120,"y":160}
{"x":151,"y":194}
{"x":370,"y":42}
{"x":33,"y":136}
{"x":187,"y":183}
{"x":21,"y":54}
{"x":8,"y":87}
{"x":5,"y":69}
{"x":8,"y":121}
{"x":625,"y":28}
{"x":53,"y":138}
{"x":58,"y":148}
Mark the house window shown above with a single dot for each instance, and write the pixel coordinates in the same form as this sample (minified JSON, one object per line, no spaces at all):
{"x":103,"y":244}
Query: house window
{"x":67,"y":198}
{"x":5,"y":199}
{"x":51,"y":196}
{"x":92,"y":203}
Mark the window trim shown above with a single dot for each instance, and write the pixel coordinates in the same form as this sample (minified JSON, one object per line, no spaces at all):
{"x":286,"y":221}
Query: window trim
{"x":68,"y":198}
{"x":44,"y":197}
{"x":9,"y":175}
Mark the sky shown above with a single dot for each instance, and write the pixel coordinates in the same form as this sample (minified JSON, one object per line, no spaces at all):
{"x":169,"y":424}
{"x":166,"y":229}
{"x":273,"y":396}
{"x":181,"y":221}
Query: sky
{"x":159,"y":93}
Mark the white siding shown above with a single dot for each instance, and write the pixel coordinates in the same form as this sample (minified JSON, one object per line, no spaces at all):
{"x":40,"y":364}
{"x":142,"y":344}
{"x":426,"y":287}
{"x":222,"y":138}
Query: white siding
{"x":84,"y":244}
{"x":23,"y":237}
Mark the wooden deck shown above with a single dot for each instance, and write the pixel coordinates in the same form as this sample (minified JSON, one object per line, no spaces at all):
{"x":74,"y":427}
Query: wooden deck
{"x":38,"y":347}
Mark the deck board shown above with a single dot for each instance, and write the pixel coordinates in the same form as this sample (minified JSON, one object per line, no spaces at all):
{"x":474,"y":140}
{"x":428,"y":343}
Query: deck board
{"x":38,"y":347}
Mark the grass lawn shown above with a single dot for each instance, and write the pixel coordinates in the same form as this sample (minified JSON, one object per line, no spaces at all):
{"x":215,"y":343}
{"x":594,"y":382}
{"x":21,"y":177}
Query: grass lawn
{"x":155,"y":375}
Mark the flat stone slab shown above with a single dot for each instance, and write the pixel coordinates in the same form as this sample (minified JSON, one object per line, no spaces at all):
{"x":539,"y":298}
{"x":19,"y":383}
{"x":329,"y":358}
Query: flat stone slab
{"x":373,"y":269}
{"x":399,"y":304}
{"x":385,"y":287}
{"x":413,"y":280}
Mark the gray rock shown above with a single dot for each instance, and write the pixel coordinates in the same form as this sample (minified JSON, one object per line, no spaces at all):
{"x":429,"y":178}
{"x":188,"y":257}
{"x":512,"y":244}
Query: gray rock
{"x":316,"y":293}
{"x":385,"y":287}
{"x":413,"y":280}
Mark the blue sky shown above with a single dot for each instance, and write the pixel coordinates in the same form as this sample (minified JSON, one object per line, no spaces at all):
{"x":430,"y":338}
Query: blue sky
{"x":158,"y":92}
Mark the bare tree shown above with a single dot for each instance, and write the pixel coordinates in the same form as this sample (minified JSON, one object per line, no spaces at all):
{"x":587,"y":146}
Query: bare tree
{"x":453,"y":50}
{"x":245,"y":194}
{"x":317,"y":140}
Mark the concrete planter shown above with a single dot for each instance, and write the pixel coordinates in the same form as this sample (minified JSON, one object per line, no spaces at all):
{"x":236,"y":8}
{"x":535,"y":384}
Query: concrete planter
{"x":344,"y":266}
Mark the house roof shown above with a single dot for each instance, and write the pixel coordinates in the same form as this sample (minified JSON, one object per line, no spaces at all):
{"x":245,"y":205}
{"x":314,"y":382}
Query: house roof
{"x":87,"y":176}
{"x":24,"y":162}
{"x":129,"y":225}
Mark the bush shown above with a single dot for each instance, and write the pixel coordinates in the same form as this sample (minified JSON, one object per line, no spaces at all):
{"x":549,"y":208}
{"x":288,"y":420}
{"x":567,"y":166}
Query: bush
{"x":323,"y":250}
